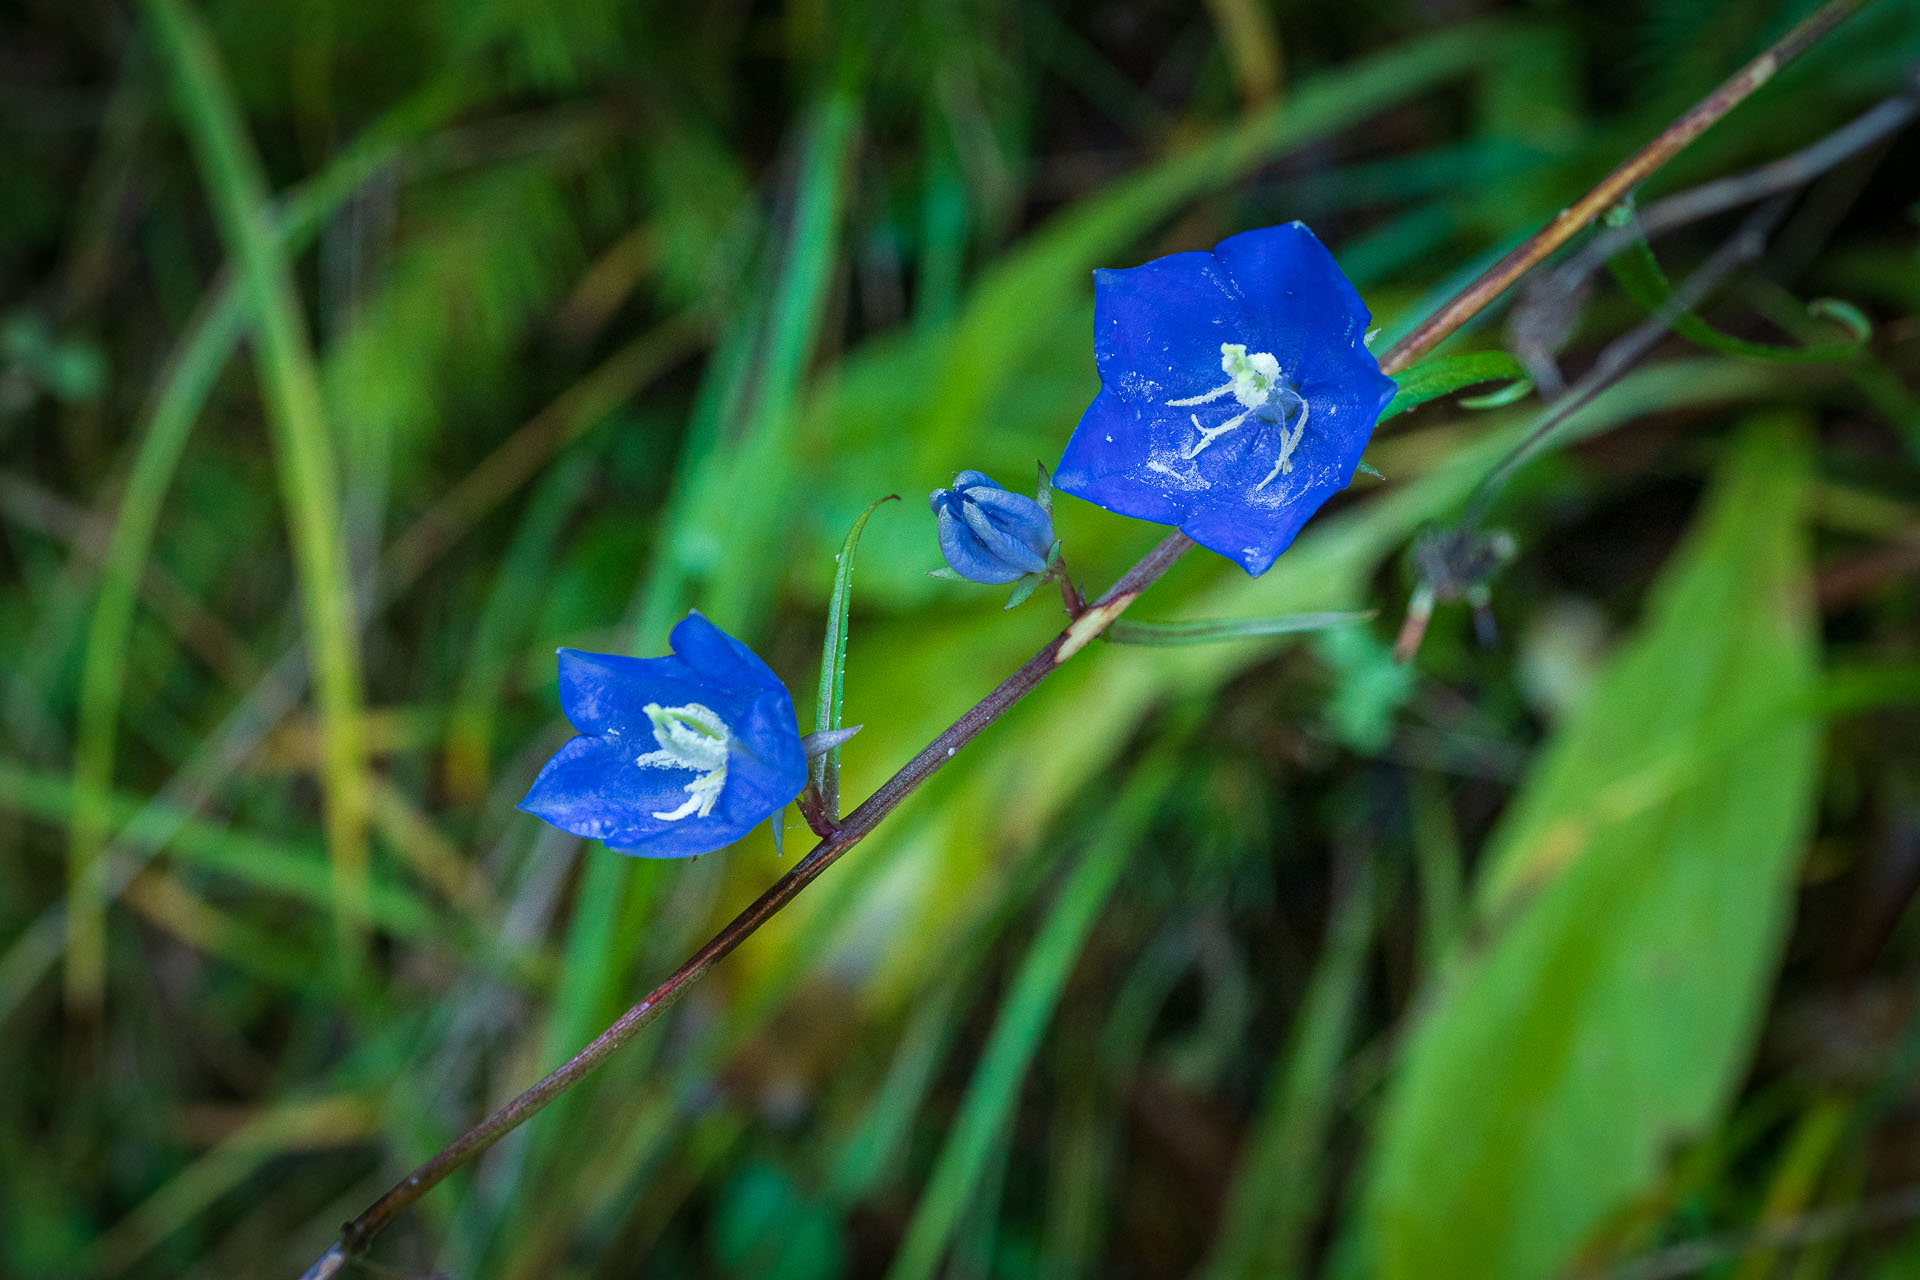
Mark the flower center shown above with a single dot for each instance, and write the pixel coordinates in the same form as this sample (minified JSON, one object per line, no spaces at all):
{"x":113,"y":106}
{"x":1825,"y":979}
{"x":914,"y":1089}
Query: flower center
{"x":1257,"y":383}
{"x":690,"y":737}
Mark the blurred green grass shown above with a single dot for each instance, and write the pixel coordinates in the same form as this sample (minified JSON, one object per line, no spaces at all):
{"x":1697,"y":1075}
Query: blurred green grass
{"x":1192,"y":964}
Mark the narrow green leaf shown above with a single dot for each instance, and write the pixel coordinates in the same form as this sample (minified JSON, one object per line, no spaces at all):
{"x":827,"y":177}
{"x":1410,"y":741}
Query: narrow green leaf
{"x":1639,"y":273}
{"x":1444,"y":375}
{"x":1212,"y":630}
{"x":268,"y":863}
{"x":190,"y":374}
{"x":833,"y":662}
{"x":1512,"y":393}
{"x":1635,"y":900}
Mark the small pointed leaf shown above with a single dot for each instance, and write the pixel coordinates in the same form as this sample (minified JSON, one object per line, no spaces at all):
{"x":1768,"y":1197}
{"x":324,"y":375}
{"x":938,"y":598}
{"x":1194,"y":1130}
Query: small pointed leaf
{"x":1444,"y":375}
{"x":825,"y":770}
{"x":818,"y":744}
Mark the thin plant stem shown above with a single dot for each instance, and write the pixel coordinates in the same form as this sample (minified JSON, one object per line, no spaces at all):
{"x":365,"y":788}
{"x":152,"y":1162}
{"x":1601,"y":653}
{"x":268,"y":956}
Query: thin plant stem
{"x":1535,"y":249}
{"x":1624,"y":352}
{"x":356,"y":1235}
{"x":1788,"y":173}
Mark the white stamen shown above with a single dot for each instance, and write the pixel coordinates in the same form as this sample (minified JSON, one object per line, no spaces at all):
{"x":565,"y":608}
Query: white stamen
{"x":690,"y":737}
{"x":1207,"y":434}
{"x":1257,"y":382}
{"x":1208,"y":398}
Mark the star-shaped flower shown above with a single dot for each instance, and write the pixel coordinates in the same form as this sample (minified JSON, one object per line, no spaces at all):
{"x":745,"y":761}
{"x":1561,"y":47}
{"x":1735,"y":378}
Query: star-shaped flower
{"x":676,"y":756}
{"x":1236,"y":392}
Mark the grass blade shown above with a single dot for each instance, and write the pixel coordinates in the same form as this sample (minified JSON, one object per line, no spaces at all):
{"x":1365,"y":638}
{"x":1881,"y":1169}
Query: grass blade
{"x":1023,"y":1019}
{"x":185,"y":384}
{"x":303,"y":452}
{"x":1280,"y":1182}
{"x":1637,"y":894}
{"x":1638,"y":273}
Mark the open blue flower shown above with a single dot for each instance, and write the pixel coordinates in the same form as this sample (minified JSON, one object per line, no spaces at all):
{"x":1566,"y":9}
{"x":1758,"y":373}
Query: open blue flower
{"x":1236,"y":392}
{"x":989,"y":535}
{"x":676,"y":756}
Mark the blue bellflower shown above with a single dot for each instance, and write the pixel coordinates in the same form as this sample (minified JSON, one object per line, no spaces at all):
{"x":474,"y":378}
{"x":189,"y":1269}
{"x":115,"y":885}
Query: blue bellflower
{"x":1236,"y":392}
{"x":676,"y":756}
{"x":989,"y":535}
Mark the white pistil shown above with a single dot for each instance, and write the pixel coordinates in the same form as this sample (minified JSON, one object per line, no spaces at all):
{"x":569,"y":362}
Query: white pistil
{"x":1257,"y":383}
{"x":690,"y":737}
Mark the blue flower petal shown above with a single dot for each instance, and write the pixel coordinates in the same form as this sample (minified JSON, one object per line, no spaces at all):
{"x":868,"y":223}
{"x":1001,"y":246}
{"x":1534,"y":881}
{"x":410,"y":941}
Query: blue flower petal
{"x":604,"y":692}
{"x":1295,"y":295}
{"x":1010,"y":526}
{"x":965,"y":554}
{"x":767,"y":767}
{"x":1119,"y":458}
{"x":1155,"y":325}
{"x":593,"y":788}
{"x":720,"y":661}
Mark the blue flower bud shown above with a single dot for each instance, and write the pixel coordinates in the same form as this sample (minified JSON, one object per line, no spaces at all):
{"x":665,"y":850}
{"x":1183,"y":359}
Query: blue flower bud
{"x":989,"y":535}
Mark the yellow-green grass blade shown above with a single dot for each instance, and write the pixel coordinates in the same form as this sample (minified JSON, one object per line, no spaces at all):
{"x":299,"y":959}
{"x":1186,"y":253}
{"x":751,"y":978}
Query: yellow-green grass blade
{"x":833,"y":663}
{"x":290,"y":387}
{"x":185,"y":384}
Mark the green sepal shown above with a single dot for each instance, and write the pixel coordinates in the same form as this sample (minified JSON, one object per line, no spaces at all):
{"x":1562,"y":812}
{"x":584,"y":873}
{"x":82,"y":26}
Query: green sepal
{"x":1023,"y":589}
